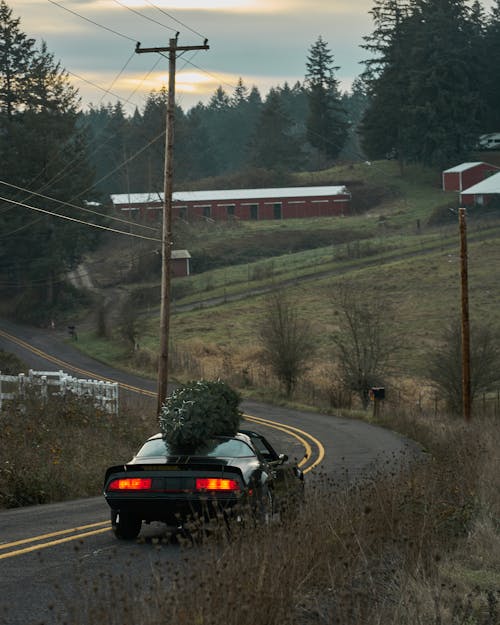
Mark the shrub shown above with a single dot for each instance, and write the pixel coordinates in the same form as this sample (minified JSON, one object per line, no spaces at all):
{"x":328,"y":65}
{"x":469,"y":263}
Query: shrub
{"x":10,"y":364}
{"x":69,"y":441}
{"x":199,"y":410}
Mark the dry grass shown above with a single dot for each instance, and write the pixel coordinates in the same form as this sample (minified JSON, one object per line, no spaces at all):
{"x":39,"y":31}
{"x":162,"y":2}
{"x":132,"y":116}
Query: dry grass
{"x":409,"y":544}
{"x":69,"y":441}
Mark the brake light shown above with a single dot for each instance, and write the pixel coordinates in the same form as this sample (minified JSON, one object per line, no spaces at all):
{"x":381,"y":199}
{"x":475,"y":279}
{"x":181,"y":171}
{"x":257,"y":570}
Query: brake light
{"x":214,"y":483}
{"x":131,"y":483}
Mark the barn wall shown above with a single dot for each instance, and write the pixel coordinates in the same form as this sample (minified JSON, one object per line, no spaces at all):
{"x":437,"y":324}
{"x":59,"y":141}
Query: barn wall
{"x":261,"y":209}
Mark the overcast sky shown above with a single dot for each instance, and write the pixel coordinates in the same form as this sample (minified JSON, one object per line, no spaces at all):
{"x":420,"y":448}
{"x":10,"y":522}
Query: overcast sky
{"x":265,"y":42}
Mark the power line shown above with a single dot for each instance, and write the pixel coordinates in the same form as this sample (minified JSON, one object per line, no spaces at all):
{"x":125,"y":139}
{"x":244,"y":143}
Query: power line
{"x":175,"y":19}
{"x":88,"y":264}
{"x":125,"y":162}
{"x":85,"y":210}
{"x":146,"y":17}
{"x":106,"y":91}
{"x":80,"y":221}
{"x":115,"y":32}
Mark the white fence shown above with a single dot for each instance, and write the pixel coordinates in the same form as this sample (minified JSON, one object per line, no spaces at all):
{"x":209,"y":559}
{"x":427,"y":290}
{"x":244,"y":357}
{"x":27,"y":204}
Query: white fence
{"x":104,"y":394}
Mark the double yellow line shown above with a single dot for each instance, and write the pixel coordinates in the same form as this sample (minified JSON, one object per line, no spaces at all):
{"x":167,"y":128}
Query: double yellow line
{"x":303,"y":437}
{"x":76,"y":533}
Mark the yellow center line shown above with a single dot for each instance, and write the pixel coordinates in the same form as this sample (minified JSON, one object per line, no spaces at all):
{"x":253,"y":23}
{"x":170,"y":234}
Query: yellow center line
{"x":23,"y":541}
{"x":289,"y":429}
{"x":284,"y":428}
{"x":293,"y":430}
{"x":300,"y":435}
{"x":53,"y":543}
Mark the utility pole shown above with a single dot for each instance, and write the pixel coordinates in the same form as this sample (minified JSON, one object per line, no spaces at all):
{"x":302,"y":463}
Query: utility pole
{"x":466,"y":387}
{"x":166,"y":245}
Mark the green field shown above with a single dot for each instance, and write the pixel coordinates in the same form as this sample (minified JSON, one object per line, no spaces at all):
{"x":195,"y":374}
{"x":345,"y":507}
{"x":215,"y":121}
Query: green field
{"x":403,"y":251}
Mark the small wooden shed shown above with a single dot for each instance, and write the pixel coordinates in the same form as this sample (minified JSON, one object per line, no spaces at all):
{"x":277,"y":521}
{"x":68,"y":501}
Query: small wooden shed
{"x":180,"y":263}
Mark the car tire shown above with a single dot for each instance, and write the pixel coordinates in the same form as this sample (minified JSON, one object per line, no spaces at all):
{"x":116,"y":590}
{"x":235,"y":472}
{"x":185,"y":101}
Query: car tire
{"x":125,"y":526}
{"x":265,"y":511}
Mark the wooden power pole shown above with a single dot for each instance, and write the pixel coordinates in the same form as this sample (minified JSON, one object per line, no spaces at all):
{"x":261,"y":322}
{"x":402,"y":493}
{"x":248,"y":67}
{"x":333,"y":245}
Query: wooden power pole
{"x":466,"y":386}
{"x":166,"y":245}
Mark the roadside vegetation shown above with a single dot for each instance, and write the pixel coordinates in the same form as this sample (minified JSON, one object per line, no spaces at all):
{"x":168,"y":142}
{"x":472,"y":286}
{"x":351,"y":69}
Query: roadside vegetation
{"x":404,"y":547}
{"x":59,"y":450}
{"x":410,"y":543}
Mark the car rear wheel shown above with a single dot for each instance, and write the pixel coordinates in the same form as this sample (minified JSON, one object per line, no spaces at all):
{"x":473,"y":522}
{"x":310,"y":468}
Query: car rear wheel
{"x":125,"y":525}
{"x":265,"y":511}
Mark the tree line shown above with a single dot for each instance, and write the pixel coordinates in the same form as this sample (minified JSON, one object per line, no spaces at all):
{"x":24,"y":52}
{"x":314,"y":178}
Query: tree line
{"x":433,"y":80}
{"x":430,"y":87}
{"x":292,"y":128}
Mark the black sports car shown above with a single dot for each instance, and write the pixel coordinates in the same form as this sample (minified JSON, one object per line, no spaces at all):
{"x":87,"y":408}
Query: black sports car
{"x":233,"y":475}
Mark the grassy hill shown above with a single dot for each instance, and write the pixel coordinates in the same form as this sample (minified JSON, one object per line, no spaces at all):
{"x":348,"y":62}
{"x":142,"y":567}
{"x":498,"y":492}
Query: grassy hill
{"x":400,"y":246}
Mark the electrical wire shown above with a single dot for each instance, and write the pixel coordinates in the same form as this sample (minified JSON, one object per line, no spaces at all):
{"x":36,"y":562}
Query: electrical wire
{"x":115,"y":32}
{"x":175,"y":19}
{"x":106,"y":91}
{"x":81,"y":208}
{"x":80,"y":221}
{"x":146,"y":17}
{"x":57,"y":176}
{"x":88,"y":265}
{"x":125,"y":162}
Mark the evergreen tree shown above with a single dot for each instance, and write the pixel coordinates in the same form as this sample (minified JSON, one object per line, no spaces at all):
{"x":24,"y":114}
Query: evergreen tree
{"x":443,"y":107}
{"x":220,"y":101}
{"x":355,"y":104}
{"x":273,"y":145}
{"x":42,"y":149}
{"x":386,"y":79}
{"x":326,"y":122}
{"x":151,"y":159}
{"x":491,"y":82}
{"x":16,"y":56}
{"x":201,"y":162}
{"x":423,"y":81}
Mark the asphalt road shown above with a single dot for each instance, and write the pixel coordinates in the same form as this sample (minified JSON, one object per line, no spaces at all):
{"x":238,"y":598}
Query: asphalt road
{"x":50,"y":554}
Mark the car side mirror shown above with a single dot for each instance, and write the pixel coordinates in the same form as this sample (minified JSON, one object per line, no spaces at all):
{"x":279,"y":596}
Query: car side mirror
{"x":282,"y":458}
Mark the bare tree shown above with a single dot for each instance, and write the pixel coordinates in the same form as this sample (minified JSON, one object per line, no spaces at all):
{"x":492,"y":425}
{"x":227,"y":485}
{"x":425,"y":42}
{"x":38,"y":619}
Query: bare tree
{"x":287,"y":340}
{"x":365,"y":342}
{"x":445,"y":363}
{"x":128,"y":322}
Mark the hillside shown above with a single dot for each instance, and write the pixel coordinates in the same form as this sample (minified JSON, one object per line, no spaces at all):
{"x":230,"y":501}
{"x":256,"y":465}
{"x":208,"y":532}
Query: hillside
{"x":402,"y":250}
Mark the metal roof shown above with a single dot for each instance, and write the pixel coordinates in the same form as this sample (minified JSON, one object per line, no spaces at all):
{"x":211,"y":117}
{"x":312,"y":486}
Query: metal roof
{"x":231,"y":194}
{"x":178,"y":254}
{"x":490,"y":185}
{"x":463,"y":167}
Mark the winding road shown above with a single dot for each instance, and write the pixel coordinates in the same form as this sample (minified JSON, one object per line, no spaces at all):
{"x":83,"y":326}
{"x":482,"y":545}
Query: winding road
{"x":49,"y":554}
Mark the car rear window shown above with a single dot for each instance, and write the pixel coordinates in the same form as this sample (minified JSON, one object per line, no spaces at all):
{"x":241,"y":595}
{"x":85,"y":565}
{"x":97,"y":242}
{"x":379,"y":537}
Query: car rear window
{"x":230,"y":448}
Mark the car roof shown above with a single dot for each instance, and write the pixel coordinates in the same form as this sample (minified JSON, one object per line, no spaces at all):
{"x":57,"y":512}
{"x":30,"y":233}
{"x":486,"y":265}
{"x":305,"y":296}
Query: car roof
{"x":242,"y":436}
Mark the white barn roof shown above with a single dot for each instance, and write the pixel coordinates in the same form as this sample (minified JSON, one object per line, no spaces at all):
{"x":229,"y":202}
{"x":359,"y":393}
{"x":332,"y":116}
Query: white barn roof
{"x":462,"y":167}
{"x":179,"y":254}
{"x":232,"y":194}
{"x":488,"y":186}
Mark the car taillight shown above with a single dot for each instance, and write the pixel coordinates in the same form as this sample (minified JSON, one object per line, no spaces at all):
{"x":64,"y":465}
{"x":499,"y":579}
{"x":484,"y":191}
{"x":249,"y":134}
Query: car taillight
{"x":131,"y":483}
{"x":214,"y":483}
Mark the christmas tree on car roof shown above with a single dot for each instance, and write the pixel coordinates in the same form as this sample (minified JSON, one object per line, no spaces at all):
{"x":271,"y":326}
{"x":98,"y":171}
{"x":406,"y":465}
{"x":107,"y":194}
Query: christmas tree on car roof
{"x":198,"y":411}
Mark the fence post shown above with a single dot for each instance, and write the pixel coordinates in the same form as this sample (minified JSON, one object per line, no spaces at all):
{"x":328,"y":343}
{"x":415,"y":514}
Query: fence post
{"x":21,"y":384}
{"x":43,"y":388}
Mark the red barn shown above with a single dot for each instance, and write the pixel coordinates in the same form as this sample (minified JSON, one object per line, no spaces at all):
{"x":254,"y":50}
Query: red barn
{"x":467,"y":174}
{"x":246,"y":204}
{"x":482,"y":193}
